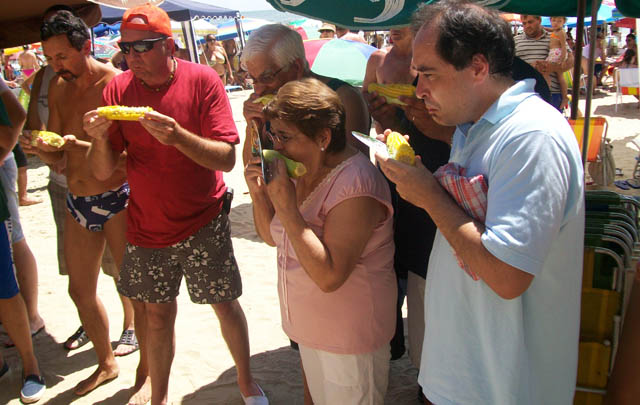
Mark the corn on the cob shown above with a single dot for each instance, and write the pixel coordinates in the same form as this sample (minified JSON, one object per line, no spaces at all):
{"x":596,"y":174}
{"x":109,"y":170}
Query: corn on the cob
{"x":266,"y":99}
{"x":254,"y":133}
{"x":391,"y":92}
{"x":48,"y":137}
{"x":294,"y":169}
{"x":122,"y":113}
{"x":399,"y":149}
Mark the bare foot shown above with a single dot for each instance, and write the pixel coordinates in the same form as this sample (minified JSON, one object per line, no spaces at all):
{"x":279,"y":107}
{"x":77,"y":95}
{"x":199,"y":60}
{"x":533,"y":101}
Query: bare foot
{"x":101,"y":375}
{"x":250,"y":389}
{"x":142,"y":391}
{"x":29,"y":201}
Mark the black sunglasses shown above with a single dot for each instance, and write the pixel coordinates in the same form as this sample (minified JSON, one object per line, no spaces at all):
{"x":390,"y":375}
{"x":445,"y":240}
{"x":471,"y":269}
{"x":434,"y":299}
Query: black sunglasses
{"x":141,"y":46}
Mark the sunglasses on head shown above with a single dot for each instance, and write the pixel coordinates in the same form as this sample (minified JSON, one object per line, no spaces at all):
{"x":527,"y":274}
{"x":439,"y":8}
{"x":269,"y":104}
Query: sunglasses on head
{"x":141,"y":46}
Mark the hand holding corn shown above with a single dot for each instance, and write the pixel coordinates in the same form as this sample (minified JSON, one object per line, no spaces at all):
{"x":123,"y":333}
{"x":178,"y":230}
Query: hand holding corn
{"x":413,"y":183}
{"x":165,"y":129}
{"x":398,"y":147}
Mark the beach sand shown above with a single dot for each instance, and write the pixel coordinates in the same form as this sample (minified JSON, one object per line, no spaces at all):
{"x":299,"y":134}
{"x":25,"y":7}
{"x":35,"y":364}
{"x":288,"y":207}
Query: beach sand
{"x":203,"y":371}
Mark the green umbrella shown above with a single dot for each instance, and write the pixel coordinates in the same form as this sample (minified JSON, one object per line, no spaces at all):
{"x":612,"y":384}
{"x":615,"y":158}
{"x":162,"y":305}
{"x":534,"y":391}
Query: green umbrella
{"x":384,"y":14}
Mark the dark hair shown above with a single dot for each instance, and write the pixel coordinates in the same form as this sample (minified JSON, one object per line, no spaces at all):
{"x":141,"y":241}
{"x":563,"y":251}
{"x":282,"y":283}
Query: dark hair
{"x":628,"y":56}
{"x":64,"y":22}
{"x":632,"y":36}
{"x":310,"y":106}
{"x":465,"y":30}
{"x":59,"y":7}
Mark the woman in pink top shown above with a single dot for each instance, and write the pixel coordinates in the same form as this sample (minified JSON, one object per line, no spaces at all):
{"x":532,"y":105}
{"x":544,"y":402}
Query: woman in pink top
{"x":333,"y":228}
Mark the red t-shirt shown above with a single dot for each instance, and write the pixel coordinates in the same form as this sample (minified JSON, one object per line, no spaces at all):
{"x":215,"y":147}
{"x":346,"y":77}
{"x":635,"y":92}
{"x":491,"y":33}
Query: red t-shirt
{"x":171,"y":196}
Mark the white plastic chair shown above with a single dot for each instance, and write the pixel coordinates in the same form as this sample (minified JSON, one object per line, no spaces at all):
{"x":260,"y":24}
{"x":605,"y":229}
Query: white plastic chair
{"x":626,"y":83}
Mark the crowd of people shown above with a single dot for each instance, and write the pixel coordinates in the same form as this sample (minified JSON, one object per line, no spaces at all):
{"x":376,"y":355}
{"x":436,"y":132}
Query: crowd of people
{"x":492,"y":275}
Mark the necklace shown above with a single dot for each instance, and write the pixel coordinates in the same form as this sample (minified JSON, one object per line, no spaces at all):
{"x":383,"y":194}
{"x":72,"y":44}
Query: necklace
{"x":165,"y":84}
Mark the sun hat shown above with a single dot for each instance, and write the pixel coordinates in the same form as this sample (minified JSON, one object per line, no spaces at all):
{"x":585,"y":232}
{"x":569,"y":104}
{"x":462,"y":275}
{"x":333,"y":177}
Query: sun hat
{"x":327,"y":27}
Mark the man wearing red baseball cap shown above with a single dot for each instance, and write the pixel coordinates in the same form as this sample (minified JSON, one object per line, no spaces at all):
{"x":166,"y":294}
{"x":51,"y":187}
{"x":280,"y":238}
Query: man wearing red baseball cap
{"x":177,"y":220}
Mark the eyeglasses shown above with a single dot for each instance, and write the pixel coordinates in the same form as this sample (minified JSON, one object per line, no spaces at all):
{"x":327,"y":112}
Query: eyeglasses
{"x":53,"y":28}
{"x":141,"y":46}
{"x":267,"y":78}
{"x":274,"y":137}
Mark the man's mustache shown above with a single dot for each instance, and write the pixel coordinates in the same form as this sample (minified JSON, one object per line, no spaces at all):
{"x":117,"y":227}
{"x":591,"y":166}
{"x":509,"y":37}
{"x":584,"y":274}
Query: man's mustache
{"x":66,"y":72}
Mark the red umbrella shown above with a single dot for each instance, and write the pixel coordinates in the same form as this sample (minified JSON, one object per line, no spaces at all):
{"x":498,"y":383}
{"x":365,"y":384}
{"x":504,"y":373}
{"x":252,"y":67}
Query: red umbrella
{"x":302,"y":32}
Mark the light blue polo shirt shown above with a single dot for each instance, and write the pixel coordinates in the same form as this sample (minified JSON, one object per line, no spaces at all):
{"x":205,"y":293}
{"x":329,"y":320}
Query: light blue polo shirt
{"x":482,"y":349}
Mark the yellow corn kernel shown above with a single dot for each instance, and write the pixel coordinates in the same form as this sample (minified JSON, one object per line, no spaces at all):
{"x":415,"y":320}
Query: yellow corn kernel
{"x":294,"y":169}
{"x":391,"y":92}
{"x":266,"y":99}
{"x":122,"y":113}
{"x":399,"y":149}
{"x":48,"y":137}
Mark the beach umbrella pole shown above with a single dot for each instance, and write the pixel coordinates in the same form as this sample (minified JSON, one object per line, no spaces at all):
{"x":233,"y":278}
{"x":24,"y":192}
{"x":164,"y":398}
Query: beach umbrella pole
{"x":575,"y":91}
{"x":592,"y":57}
{"x":190,"y":40}
{"x":240,"y":32}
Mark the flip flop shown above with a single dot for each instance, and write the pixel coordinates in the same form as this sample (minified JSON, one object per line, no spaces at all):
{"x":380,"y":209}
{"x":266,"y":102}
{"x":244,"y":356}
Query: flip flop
{"x":622,"y":184}
{"x":633,"y":183}
{"x":128,"y":338}
{"x":80,"y":336}
{"x":9,"y":343}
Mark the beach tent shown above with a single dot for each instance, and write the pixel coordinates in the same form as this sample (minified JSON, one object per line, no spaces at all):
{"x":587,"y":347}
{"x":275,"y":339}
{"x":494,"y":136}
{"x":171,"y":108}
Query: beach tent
{"x":184,"y":11}
{"x":201,"y":27}
{"x":178,"y":10}
{"x":20,"y":20}
{"x":229,"y":29}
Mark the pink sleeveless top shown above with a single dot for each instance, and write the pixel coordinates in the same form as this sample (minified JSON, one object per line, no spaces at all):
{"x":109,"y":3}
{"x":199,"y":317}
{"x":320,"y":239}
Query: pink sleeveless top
{"x":359,"y":317}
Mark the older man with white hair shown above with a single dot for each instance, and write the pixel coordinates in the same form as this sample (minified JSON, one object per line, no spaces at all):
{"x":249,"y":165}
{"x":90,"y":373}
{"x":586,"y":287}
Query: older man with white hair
{"x":275,"y":55}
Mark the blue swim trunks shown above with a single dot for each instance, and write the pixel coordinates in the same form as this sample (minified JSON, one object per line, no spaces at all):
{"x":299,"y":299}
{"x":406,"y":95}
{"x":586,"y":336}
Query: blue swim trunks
{"x":8,"y":284}
{"x":94,"y":211}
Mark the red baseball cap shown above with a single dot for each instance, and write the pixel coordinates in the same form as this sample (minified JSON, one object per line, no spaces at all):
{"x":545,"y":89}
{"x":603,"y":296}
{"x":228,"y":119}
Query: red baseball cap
{"x":155,"y":19}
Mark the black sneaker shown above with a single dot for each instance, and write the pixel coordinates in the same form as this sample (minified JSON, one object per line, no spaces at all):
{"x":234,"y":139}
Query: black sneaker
{"x":32,"y":389}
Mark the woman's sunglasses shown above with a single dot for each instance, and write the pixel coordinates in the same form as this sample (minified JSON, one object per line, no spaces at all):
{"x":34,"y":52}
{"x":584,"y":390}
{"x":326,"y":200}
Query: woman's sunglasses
{"x":141,"y":46}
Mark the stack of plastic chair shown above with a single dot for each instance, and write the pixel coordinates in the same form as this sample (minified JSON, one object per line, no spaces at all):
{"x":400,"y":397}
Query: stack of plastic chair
{"x":611,"y":248}
{"x":626,"y":84}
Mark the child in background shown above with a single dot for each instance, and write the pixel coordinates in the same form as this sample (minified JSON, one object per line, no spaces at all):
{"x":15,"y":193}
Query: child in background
{"x":558,"y":53}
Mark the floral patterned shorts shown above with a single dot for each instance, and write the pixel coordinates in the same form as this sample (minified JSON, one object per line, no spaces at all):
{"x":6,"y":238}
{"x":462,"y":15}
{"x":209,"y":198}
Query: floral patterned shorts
{"x":205,"y":258}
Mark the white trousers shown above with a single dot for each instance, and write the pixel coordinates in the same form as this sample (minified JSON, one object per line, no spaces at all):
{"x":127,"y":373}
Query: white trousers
{"x":349,"y":379}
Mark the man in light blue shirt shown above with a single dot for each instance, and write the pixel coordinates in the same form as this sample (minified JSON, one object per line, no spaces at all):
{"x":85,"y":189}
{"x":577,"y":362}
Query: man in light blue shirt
{"x":512,"y":336}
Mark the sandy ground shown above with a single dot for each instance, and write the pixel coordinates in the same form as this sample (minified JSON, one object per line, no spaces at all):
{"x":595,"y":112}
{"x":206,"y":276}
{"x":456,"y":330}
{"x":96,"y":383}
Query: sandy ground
{"x":203,"y":371}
